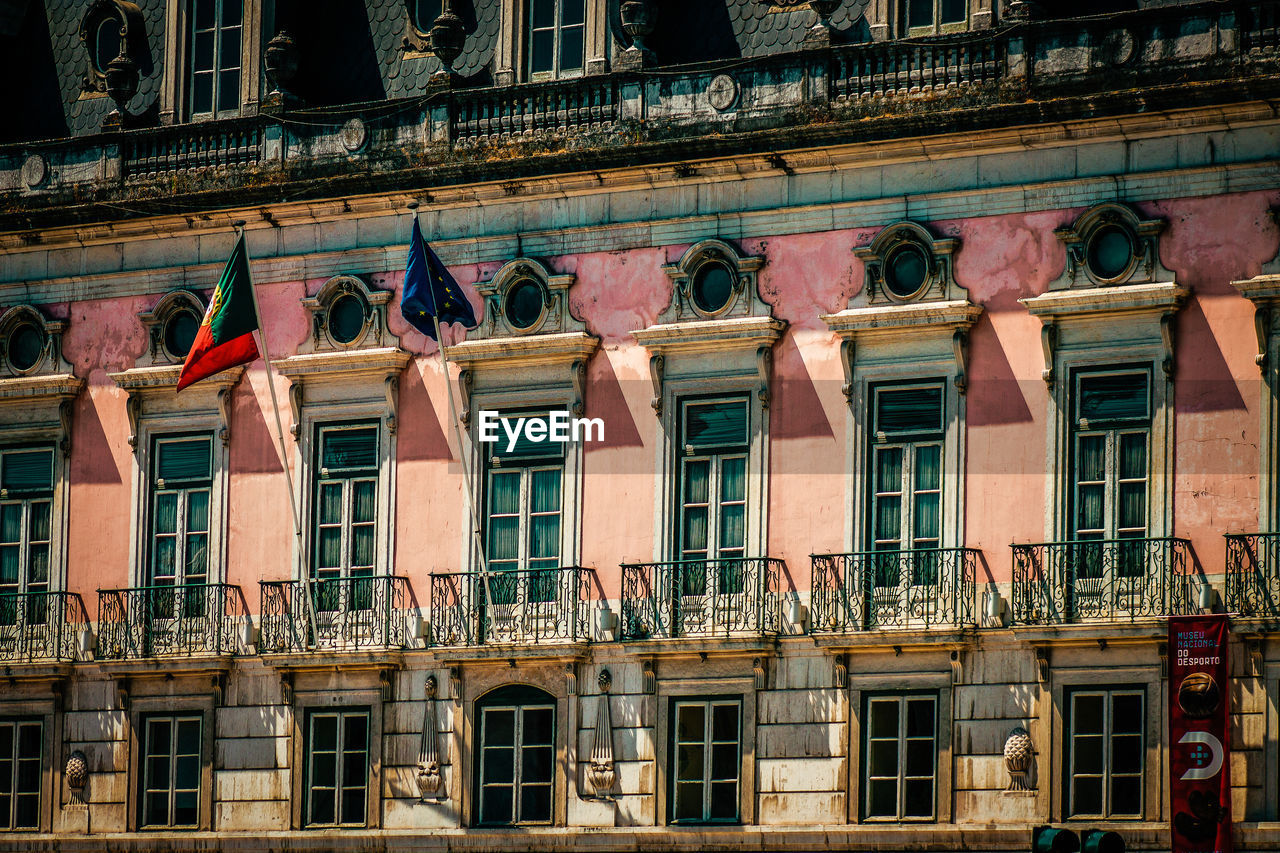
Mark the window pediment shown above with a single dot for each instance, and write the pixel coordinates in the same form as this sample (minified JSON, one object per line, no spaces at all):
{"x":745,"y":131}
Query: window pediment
{"x":1110,"y":245}
{"x":347,"y":315}
{"x":906,"y":264}
{"x":37,"y":384}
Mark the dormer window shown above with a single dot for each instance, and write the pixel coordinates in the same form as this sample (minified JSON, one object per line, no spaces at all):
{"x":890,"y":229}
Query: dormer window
{"x":926,"y":17}
{"x":214,"y":58}
{"x":557,"y":38}
{"x":106,"y":43}
{"x":423,"y":14}
{"x":111,"y":28}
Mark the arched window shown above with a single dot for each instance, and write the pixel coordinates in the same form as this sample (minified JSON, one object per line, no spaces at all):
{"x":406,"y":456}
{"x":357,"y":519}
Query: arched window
{"x":515,"y":756}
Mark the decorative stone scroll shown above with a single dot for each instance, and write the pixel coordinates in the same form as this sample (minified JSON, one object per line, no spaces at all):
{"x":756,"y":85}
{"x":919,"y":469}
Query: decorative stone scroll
{"x":429,"y":778}
{"x":601,"y":773}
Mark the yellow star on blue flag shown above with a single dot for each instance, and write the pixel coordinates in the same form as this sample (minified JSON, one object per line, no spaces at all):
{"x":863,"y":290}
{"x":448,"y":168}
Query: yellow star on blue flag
{"x":430,"y":291}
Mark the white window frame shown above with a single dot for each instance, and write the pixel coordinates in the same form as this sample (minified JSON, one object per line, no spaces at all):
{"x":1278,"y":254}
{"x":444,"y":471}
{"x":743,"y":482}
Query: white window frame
{"x":907,"y":492}
{"x":189,"y":71}
{"x":172,"y":755}
{"x":340,"y":745}
{"x":901,"y":700}
{"x":182,"y":575}
{"x":23,"y":583}
{"x":8,"y":820}
{"x":557,"y":27}
{"x":935,"y":26}
{"x":707,"y":742}
{"x":175,"y":104}
{"x":347,"y":524}
{"x":1069,"y":737}
{"x":517,"y":782}
{"x":1112,"y":435}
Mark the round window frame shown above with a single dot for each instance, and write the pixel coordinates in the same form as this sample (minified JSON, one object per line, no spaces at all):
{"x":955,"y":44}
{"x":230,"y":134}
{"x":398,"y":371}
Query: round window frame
{"x":172,"y":316}
{"x":543,"y":301}
{"x":734,"y":286}
{"x":44,"y":346}
{"x":906,"y":244}
{"x":1096,"y":233}
{"x":341,"y":294}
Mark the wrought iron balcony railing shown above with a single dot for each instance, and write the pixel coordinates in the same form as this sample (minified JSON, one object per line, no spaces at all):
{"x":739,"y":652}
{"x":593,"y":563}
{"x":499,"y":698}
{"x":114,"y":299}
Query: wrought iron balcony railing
{"x":1102,"y":580}
{"x":41,"y":626}
{"x":701,"y":598}
{"x":349,"y":613}
{"x":522,"y":606}
{"x":183,"y":619}
{"x":1253,"y":574}
{"x":869,"y":590}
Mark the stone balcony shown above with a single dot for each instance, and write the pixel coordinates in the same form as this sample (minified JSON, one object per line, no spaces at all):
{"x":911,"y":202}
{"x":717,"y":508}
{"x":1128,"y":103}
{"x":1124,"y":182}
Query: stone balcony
{"x":1103,"y":580}
{"x":42,"y":627}
{"x":736,"y":597}
{"x":912,"y":589}
{"x":1024,"y":73}
{"x":528,"y":607}
{"x":179,"y":620}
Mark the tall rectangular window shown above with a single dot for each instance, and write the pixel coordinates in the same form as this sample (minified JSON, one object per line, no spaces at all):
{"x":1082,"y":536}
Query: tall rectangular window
{"x":181,"y":486}
{"x":523,"y":511}
{"x":712,"y":494}
{"x":346,"y":509}
{"x":901,"y":757}
{"x":213,"y":51}
{"x":26,"y":534}
{"x":707,"y":761}
{"x":1105,"y":764}
{"x":21,"y":748}
{"x":1111,"y":435}
{"x":557,"y":37}
{"x":906,"y":488}
{"x":337,"y":771}
{"x":516,"y":761}
{"x":171,"y":761}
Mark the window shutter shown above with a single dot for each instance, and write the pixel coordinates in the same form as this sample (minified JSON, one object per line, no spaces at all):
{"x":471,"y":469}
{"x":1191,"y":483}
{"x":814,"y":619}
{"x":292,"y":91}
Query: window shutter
{"x":1114,"y":398}
{"x":524,"y":447}
{"x":716,"y":424}
{"x":349,"y":449}
{"x":27,"y":471}
{"x":184,"y":460}
{"x":909,"y":410}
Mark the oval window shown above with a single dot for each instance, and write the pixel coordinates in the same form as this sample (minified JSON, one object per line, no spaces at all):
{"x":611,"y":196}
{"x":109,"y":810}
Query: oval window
{"x":106,"y":42}
{"x":180,"y":333}
{"x":1110,"y":252}
{"x":346,"y":318}
{"x":712,"y":287}
{"x":524,"y":304}
{"x":25,"y":347}
{"x":906,"y":270}
{"x":425,"y":13}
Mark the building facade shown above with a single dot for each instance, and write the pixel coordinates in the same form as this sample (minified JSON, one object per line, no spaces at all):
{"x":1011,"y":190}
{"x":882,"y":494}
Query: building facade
{"x":929,"y":356}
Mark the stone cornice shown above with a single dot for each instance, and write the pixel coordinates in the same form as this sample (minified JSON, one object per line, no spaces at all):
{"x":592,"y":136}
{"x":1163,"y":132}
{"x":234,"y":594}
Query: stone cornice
{"x":897,"y":319}
{"x":164,"y":378}
{"x":29,"y":389}
{"x":1261,"y":289}
{"x":374,"y":364}
{"x":526,"y":351}
{"x":710,"y":335}
{"x":1158,"y":297}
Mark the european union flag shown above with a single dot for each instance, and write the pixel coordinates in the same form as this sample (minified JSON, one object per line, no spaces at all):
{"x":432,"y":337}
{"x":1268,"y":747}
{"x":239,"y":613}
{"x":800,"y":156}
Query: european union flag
{"x":429,"y":290}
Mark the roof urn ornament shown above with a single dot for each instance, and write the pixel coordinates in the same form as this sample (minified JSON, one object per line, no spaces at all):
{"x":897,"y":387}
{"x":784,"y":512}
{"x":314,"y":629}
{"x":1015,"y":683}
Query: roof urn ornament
{"x":447,"y":38}
{"x":122,"y":85}
{"x":280,"y":60}
{"x":1022,"y":10}
{"x":819,"y":34}
{"x":1018,"y":751}
{"x":639,"y":17}
{"x":77,"y":774}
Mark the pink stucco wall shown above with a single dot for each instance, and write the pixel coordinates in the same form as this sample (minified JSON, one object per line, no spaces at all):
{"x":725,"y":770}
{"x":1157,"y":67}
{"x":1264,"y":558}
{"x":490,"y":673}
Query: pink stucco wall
{"x":1208,"y":243}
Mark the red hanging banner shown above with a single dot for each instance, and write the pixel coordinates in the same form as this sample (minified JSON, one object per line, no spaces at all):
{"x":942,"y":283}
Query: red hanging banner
{"x":1199,"y":734}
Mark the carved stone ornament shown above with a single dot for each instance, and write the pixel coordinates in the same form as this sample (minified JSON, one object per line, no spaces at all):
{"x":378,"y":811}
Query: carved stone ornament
{"x":280,"y":61}
{"x":76,"y":773}
{"x":1018,"y":754}
{"x":600,"y":772}
{"x":126,"y":19}
{"x":447,"y":38}
{"x":1110,"y":244}
{"x":429,"y":779}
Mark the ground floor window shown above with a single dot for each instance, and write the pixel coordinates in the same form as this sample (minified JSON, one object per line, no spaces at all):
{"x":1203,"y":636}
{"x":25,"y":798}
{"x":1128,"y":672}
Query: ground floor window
{"x":337,"y":768}
{"x":21,"y":748}
{"x":516,"y":756}
{"x":707,"y":759}
{"x":1105,"y":752}
{"x":901,"y":757}
{"x":171,"y":771}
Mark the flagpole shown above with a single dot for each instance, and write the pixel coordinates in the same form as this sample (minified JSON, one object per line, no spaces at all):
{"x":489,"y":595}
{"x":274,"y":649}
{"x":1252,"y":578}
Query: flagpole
{"x":284,"y":453}
{"x":476,"y":540}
